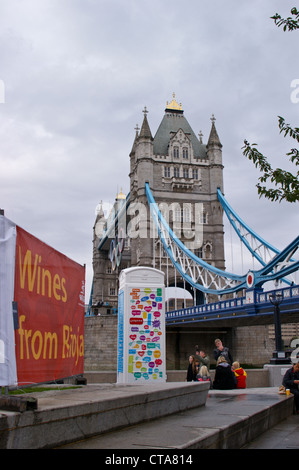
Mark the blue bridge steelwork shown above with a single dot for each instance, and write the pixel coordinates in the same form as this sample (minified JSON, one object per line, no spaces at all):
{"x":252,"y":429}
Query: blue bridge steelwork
{"x":211,"y":280}
{"x":254,"y":308}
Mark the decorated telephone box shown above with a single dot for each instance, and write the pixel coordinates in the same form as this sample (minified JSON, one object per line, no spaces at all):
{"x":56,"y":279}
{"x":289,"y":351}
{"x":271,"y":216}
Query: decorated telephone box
{"x":141,"y":326}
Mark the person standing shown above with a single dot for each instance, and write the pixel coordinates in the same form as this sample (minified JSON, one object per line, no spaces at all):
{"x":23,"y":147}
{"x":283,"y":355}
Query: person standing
{"x":202,"y":358}
{"x":222,"y":351}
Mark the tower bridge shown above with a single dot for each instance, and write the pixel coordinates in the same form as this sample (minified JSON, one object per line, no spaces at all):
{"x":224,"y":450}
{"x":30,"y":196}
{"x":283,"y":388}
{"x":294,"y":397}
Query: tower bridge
{"x":172,"y":220}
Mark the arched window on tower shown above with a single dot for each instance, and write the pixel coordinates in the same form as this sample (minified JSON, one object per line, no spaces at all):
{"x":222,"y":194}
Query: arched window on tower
{"x":203,"y":218}
{"x":198,"y":252}
{"x":167,"y":172}
{"x":182,"y":214}
{"x":208,"y":250}
{"x":186,"y":214}
{"x":176,"y":152}
{"x":177,"y":214}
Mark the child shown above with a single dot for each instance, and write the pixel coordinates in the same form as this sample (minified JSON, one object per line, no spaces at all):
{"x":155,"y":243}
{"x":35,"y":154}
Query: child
{"x":240,"y":375}
{"x":204,"y":375}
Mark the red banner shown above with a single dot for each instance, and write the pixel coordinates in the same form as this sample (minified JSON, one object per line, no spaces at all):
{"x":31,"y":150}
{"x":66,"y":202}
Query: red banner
{"x":49,"y":291}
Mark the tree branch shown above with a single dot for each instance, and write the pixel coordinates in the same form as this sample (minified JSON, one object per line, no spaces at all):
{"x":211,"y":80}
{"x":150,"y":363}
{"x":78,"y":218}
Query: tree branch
{"x":289,"y":23}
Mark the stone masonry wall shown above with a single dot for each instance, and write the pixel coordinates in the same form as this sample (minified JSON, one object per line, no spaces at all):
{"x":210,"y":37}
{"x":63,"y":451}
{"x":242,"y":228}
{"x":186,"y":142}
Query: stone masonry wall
{"x":100,"y":343}
{"x":249,"y":345}
{"x":252,"y":345}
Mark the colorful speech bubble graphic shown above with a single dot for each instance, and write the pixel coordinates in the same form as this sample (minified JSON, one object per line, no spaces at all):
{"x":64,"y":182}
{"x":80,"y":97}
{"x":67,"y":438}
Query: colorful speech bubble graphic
{"x":136,"y":312}
{"x":136,"y":321}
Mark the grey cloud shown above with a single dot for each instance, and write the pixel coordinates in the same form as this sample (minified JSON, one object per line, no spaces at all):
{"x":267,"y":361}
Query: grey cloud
{"x":78,"y":74}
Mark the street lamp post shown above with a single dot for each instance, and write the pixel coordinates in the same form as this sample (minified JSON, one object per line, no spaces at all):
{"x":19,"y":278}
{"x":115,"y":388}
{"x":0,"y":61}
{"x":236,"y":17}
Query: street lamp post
{"x":279,"y":353}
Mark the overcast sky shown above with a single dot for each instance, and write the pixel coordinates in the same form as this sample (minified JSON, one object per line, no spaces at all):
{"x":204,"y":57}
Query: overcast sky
{"x":77,"y":74}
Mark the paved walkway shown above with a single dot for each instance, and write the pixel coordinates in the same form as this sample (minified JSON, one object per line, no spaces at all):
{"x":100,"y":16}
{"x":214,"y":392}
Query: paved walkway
{"x":229,"y":420}
{"x":284,"y":435}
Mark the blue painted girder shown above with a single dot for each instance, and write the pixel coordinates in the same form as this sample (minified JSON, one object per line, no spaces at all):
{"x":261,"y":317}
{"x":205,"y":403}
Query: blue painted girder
{"x":259,"y":277}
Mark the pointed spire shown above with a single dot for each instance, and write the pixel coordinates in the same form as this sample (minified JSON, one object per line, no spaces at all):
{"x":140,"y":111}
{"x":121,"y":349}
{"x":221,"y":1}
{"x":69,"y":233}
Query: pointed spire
{"x":135,"y":140}
{"x":145,"y":128}
{"x":214,"y":138}
{"x":99,"y":211}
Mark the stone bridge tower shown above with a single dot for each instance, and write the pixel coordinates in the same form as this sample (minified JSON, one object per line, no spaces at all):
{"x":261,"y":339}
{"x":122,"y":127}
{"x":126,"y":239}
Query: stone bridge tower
{"x":183,"y":174}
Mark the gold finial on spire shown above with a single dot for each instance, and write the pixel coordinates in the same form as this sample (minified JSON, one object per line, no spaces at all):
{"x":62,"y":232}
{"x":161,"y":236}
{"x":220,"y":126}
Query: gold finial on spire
{"x":174,"y":105}
{"x":121,"y":195}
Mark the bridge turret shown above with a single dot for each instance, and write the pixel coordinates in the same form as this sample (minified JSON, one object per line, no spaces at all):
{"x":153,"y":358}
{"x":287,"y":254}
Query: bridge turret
{"x":214,"y":152}
{"x":144,"y":154}
{"x":142,"y":171}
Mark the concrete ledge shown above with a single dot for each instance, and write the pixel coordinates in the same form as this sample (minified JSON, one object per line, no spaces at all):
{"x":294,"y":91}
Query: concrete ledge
{"x":255,"y":377}
{"x":13,"y":403}
{"x":69,"y":415}
{"x":246,"y":424}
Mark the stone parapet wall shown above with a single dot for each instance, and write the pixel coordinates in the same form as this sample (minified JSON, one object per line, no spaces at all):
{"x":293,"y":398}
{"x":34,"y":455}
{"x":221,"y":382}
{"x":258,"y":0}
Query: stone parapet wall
{"x":256,"y":378}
